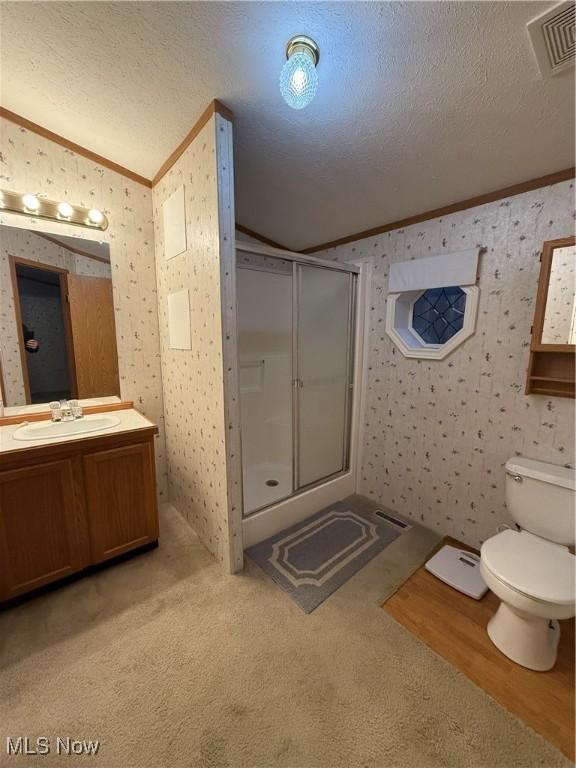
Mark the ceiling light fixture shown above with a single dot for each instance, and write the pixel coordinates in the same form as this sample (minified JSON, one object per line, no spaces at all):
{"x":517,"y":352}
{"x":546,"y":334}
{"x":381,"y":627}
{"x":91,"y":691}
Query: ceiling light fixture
{"x":299,"y":79}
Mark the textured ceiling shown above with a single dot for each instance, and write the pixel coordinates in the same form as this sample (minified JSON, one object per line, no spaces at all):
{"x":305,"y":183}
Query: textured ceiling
{"x":419,"y":104}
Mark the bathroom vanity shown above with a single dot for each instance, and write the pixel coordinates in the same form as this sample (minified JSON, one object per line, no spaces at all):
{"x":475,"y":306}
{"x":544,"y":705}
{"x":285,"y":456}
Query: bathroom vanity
{"x":73,"y":497}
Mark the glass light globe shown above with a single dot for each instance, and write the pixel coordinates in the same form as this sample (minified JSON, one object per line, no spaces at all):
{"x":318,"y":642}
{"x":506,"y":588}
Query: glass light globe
{"x":95,"y":216}
{"x":65,"y":210}
{"x":299,"y":80}
{"x":31,"y":202}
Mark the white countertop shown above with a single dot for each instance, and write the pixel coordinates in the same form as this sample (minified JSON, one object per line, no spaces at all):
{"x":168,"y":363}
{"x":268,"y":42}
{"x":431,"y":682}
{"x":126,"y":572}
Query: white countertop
{"x":17,"y":410}
{"x":130,"y":420}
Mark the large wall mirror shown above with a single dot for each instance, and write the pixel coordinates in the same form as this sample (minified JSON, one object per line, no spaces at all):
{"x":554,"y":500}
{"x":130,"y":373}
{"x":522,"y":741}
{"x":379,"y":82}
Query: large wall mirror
{"x":57,"y":330}
{"x":553,"y":346}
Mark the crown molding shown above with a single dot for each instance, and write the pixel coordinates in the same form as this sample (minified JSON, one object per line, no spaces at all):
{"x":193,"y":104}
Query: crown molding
{"x":472,"y":202}
{"x":215,"y":107}
{"x":72,"y":248}
{"x":261,"y":238}
{"x":23,"y":122}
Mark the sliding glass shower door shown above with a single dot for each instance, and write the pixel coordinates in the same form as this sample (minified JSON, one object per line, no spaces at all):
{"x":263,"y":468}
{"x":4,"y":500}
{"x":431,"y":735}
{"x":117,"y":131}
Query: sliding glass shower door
{"x":295,"y":346}
{"x":322,"y":353}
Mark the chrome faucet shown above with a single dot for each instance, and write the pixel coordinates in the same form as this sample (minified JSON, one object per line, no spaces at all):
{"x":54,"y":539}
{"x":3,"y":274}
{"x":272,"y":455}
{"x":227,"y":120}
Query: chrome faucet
{"x":66,"y":411}
{"x":55,"y":411}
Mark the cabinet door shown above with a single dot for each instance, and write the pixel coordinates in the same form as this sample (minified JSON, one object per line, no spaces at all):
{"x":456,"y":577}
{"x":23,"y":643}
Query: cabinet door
{"x":120,"y":499}
{"x":42,"y":537}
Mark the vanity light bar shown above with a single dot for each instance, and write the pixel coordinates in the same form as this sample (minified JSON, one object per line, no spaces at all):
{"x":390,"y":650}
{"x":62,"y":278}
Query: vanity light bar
{"x":40,"y":208}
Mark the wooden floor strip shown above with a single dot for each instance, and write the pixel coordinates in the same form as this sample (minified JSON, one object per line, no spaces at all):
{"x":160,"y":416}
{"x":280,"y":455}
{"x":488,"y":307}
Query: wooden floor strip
{"x":454,"y":626}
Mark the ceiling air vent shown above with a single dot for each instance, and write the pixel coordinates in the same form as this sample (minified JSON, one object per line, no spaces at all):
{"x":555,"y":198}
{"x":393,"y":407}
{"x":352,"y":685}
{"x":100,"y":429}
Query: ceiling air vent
{"x":553,"y":35}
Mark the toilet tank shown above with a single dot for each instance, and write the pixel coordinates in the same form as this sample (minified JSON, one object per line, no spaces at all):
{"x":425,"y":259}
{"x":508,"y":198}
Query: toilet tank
{"x":541,"y":497}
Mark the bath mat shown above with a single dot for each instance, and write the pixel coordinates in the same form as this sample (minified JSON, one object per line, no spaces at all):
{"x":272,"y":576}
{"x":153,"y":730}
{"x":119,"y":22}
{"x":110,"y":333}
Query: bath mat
{"x":311,"y":559}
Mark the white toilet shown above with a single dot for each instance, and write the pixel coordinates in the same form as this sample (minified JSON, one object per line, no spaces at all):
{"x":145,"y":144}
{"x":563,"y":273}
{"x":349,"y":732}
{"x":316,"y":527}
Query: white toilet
{"x":532,"y":570}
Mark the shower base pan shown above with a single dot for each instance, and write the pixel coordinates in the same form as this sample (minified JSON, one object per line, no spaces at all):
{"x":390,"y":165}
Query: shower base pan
{"x":265,"y":484}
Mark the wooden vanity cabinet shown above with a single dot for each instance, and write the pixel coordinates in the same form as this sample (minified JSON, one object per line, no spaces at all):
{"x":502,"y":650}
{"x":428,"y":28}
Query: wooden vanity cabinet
{"x":120,"y":500}
{"x":66,"y":507}
{"x":42,"y":526}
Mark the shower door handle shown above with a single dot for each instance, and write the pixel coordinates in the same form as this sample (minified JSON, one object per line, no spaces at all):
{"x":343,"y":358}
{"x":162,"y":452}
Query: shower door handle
{"x":297,"y":383}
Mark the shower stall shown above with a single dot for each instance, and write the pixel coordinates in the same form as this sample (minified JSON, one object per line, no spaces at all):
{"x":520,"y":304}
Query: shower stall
{"x":296,"y":355}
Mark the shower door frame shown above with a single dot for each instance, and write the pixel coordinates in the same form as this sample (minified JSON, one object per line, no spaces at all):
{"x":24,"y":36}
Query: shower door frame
{"x":297,"y":382}
{"x":266,"y":521}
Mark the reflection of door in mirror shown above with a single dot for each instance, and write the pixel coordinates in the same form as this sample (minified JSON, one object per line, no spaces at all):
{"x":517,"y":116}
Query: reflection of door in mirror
{"x":57,"y":332}
{"x":559,"y":314}
{"x":43,"y":330}
{"x":93,"y":335}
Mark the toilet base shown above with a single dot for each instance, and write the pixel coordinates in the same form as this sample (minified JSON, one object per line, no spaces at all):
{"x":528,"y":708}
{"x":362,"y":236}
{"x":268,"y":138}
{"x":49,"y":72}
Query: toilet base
{"x":528,"y":640}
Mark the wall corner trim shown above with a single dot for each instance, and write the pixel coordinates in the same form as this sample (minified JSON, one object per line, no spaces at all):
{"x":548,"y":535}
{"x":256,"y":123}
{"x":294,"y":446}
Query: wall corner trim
{"x":215,"y":107}
{"x":567,"y":174}
{"x":23,"y":122}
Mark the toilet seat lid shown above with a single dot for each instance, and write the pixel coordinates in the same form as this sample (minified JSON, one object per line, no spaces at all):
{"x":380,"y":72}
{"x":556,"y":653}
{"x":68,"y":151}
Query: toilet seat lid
{"x":531,"y":565}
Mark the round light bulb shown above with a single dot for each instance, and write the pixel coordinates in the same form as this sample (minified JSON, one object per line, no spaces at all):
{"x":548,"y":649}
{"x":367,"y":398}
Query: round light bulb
{"x":65,"y":210}
{"x":299,"y":80}
{"x":31,"y":202}
{"x":95,"y":216}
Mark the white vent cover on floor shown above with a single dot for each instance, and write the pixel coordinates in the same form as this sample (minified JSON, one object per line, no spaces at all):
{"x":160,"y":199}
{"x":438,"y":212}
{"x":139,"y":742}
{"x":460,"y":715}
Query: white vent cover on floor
{"x":553,"y":38}
{"x":460,"y":569}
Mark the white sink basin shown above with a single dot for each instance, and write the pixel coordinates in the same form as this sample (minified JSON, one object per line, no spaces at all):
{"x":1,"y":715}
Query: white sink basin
{"x":49,"y":430}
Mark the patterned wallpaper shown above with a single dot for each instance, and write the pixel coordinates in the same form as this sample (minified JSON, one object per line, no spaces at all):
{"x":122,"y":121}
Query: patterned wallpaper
{"x":30,"y":163}
{"x":201,"y":425}
{"x":27,"y":245}
{"x":559,"y":313}
{"x":437,"y":433}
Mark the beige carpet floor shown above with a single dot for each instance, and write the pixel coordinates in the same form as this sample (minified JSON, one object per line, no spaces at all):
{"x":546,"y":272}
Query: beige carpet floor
{"x":168,"y":662}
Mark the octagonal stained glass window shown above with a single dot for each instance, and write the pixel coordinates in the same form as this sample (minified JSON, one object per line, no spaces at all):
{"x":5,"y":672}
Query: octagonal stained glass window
{"x":438,"y":314}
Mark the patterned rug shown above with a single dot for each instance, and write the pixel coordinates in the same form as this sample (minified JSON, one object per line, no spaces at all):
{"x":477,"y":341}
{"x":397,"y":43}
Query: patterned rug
{"x":311,"y":559}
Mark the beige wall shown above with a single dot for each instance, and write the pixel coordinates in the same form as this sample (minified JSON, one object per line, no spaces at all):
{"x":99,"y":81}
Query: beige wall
{"x":201,"y":420}
{"x":34,"y":164}
{"x":27,"y":245}
{"x":439,"y":432}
